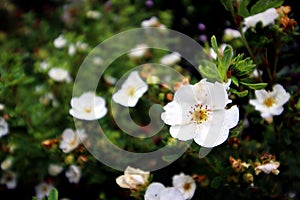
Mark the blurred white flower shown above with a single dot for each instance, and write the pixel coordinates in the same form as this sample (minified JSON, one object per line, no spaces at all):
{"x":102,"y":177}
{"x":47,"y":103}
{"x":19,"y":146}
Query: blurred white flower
{"x":157,"y":191}
{"x":9,"y":179}
{"x":60,"y":42}
{"x":270,"y":103}
{"x":59,"y":75}
{"x":133,"y":178}
{"x":71,"y":139}
{"x":170,"y":59}
{"x":213,"y":54}
{"x":72,"y":50}
{"x":73,"y":174}
{"x":231,"y":33}
{"x":88,"y":107}
{"x":81,"y":46}
{"x":267,"y":17}
{"x":7,"y":163}
{"x":44,"y":65}
{"x":198,"y":112}
{"x":152,"y":22}
{"x":2,"y":106}
{"x":55,"y":169}
{"x":270,"y":167}
{"x":131,"y":90}
{"x":42,"y":190}
{"x":255,"y":73}
{"x":185,"y":184}
{"x":97,"y":61}
{"x":138,"y":52}
{"x":3,"y":127}
{"x":93,"y":14}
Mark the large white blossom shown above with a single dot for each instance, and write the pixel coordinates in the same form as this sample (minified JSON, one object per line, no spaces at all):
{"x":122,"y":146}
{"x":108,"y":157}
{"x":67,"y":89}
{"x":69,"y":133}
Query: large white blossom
{"x":267,"y":17}
{"x":3,"y":127}
{"x":71,"y":139}
{"x":42,"y":190}
{"x":170,"y":59}
{"x":198,"y":112}
{"x":131,"y":90}
{"x":185,"y":184}
{"x":9,"y":179}
{"x":270,"y":103}
{"x":88,"y":107}
{"x":60,"y":42}
{"x":157,"y":191}
{"x":133,"y":178}
{"x":73,"y":174}
{"x":59,"y":75}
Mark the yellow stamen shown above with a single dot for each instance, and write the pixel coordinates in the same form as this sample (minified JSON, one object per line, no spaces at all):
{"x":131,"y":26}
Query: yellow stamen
{"x":269,"y":101}
{"x":199,"y":114}
{"x":131,"y":91}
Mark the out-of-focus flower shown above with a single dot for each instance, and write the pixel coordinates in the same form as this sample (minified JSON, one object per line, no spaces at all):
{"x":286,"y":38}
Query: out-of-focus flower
{"x":157,"y":191}
{"x":73,"y":174}
{"x":237,"y":164}
{"x":230,"y":34}
{"x":256,"y":73}
{"x":269,"y":167}
{"x":59,"y":75}
{"x":97,"y":61}
{"x":7,"y":163}
{"x":9,"y":179}
{"x":93,"y":14}
{"x":213,"y":54}
{"x":170,"y":59}
{"x":42,"y":190}
{"x":88,"y":107}
{"x":133,"y":178}
{"x":138,"y":52}
{"x":270,"y":103}
{"x":3,"y":127}
{"x":198,"y":112}
{"x":71,"y":139}
{"x":149,"y":3}
{"x":152,"y":22}
{"x":201,"y":27}
{"x":2,"y":106}
{"x":185,"y":184}
{"x":131,"y":90}
{"x":266,"y":18}
{"x":283,"y":10}
{"x":72,"y":50}
{"x":81,"y":46}
{"x":55,"y":169}
{"x":44,"y":65}
{"x":184,"y":81}
{"x":60,"y":42}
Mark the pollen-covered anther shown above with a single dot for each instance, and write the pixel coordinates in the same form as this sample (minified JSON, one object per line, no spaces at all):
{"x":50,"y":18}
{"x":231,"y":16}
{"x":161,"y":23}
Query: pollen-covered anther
{"x":199,"y":113}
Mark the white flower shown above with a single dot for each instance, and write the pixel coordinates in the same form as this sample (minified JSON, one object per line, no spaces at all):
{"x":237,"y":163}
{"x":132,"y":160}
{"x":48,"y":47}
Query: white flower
{"x":60,"y":42}
{"x":267,"y":17}
{"x":231,"y":33}
{"x":3,"y":127}
{"x":213,"y":54}
{"x":73,"y":174}
{"x":138,"y":52}
{"x":71,"y":139}
{"x":43,"y":189}
{"x":88,"y":107}
{"x":198,"y":112}
{"x":170,"y":59}
{"x":97,"y":61}
{"x":93,"y":14}
{"x":157,"y":191}
{"x":185,"y":184}
{"x":9,"y":179}
{"x":152,"y":22}
{"x":2,"y":106}
{"x":72,"y":50}
{"x":133,"y":178}
{"x":270,"y":103}
{"x":44,"y":65}
{"x":7,"y":163}
{"x":59,"y":75}
{"x":55,"y":169}
{"x":131,"y":90}
{"x":81,"y":46}
{"x":270,"y":167}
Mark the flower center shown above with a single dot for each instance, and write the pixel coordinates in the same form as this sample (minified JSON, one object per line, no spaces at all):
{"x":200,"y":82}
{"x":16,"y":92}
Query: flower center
{"x":199,"y":113}
{"x":269,"y":101}
{"x":186,"y":186}
{"x":131,"y":91}
{"x":87,"y":109}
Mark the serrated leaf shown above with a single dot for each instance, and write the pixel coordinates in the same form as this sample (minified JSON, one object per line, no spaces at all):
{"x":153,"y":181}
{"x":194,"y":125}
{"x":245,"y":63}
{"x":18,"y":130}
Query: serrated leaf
{"x":239,"y":94}
{"x":210,"y":71}
{"x":263,"y":5}
{"x":53,"y":195}
{"x":214,"y":44}
{"x":234,"y":80}
{"x":255,"y":86}
{"x":227,"y":58}
{"x":243,"y":10}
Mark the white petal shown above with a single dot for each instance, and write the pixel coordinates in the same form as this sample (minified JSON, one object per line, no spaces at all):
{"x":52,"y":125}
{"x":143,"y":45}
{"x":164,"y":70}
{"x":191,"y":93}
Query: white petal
{"x":153,"y":191}
{"x":171,"y":193}
{"x":276,"y":110}
{"x":176,"y":114}
{"x":183,"y":132}
{"x":281,"y":95}
{"x":261,"y":95}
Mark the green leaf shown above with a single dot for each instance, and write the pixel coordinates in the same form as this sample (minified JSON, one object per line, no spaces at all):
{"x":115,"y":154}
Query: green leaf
{"x":226,"y":58}
{"x":209,"y":71}
{"x":243,"y":10}
{"x":216,"y":182}
{"x":53,"y":195}
{"x":235,"y":80}
{"x":34,"y":198}
{"x":239,"y":94}
{"x":227,"y":4}
{"x":263,"y":5}
{"x":255,"y":86}
{"x":214,"y":44}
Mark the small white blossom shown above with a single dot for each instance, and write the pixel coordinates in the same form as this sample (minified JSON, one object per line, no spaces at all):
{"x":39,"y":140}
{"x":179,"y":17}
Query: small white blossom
{"x":93,"y":14}
{"x":221,"y":49}
{"x":59,"y":75}
{"x":185,"y":184}
{"x":9,"y":179}
{"x":133,"y":178}
{"x":270,"y":103}
{"x":44,"y":65}
{"x":7,"y":163}
{"x":3,"y":127}
{"x":152,"y":22}
{"x":73,"y":174}
{"x":198,"y":112}
{"x":72,"y":50}
{"x":71,"y":139}
{"x":60,"y":42}
{"x":170,"y":59}
{"x":42,"y":190}
{"x":231,"y":33}
{"x":88,"y":107}
{"x":97,"y":61}
{"x":131,"y":90}
{"x":55,"y":169}
{"x":267,"y":17}
{"x":138,"y":52}
{"x":2,"y":106}
{"x":81,"y":46}
{"x":270,"y":167}
{"x":157,"y":191}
